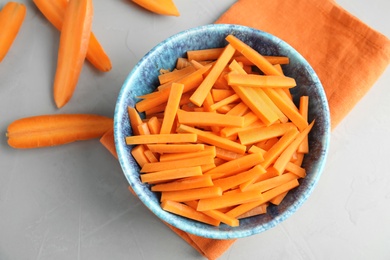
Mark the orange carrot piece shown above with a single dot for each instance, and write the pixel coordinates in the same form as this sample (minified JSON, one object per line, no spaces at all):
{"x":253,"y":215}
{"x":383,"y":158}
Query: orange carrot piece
{"x":135,"y":119}
{"x":188,"y":212}
{"x":171,"y":109}
{"x":266,"y":175}
{"x":271,"y":155}
{"x":284,"y":158}
{"x":292,"y":114}
{"x":226,"y":155}
{"x":150,"y":156}
{"x":204,"y":88}
{"x":161,"y":138}
{"x":162,"y":166}
{"x":207,"y":151}
{"x":176,"y":148}
{"x":262,"y":63}
{"x":271,"y":59}
{"x":261,"y":209}
{"x":143,"y":129}
{"x":209,"y":119}
{"x":154,"y":125}
{"x":235,"y":180}
{"x":191,"y":194}
{"x":282,"y":117}
{"x":185,"y":184}
{"x":225,"y":102}
{"x":278,"y":199}
{"x":258,"y":134}
{"x":303,"y":110}
{"x":266,"y":196}
{"x":256,"y":149}
{"x":163,"y":7}
{"x":11,"y":20}
{"x":238,"y":165}
{"x":138,"y":152}
{"x":175,"y":74}
{"x":212,"y":139}
{"x":173,"y":174}
{"x":54,"y":11}
{"x":216,"y":214}
{"x":204,"y":55}
{"x":51,"y":130}
{"x":182,"y":63}
{"x":267,"y":144}
{"x":107,"y":140}
{"x":251,"y":121}
{"x":220,"y":94}
{"x":229,"y":199}
{"x":272,"y":182}
{"x":72,"y":51}
{"x":296,"y":169}
{"x":265,"y":81}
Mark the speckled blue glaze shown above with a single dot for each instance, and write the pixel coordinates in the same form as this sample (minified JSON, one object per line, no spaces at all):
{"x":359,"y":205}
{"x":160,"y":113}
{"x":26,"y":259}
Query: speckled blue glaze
{"x":143,"y":79}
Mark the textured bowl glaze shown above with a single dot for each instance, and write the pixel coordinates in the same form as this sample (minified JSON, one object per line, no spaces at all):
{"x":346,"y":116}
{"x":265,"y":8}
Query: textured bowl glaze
{"x":143,"y":79}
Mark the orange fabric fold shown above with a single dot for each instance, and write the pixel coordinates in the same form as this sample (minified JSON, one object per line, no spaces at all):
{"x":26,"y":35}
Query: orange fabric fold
{"x":347,"y":55}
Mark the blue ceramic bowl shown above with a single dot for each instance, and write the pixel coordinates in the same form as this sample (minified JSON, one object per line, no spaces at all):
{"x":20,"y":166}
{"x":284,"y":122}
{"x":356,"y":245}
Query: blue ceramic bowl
{"x":143,"y":79}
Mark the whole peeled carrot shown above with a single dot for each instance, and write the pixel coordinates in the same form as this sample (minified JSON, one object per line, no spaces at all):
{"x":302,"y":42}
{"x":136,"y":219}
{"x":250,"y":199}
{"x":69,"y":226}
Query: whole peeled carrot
{"x":52,"y":130}
{"x":72,"y":50}
{"x":54,"y":11}
{"x":11,"y":19}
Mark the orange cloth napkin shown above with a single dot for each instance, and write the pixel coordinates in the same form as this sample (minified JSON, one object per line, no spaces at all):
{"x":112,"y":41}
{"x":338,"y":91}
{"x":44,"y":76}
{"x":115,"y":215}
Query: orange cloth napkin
{"x":347,"y":55}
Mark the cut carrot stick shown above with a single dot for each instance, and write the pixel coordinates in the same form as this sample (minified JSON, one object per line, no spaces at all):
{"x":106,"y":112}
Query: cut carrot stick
{"x":191,"y":194}
{"x":235,"y":180}
{"x":225,"y":102}
{"x":296,"y":169}
{"x":204,"y":55}
{"x":216,"y":214}
{"x":207,"y":151}
{"x":261,"y":209}
{"x":185,"y":184}
{"x":238,"y":165}
{"x":226,"y":155}
{"x":204,"y":88}
{"x":161,"y":138}
{"x":292,"y":114}
{"x":271,"y":59}
{"x":188,"y":212}
{"x":11,"y":19}
{"x":171,"y":109}
{"x":272,"y":182}
{"x":182,"y":63}
{"x":72,"y":50}
{"x":212,"y":139}
{"x":209,"y":119}
{"x":51,"y":130}
{"x":262,"y":63}
{"x":108,"y":141}
{"x":173,"y":174}
{"x":303,"y":110}
{"x":266,"y":196}
{"x":143,"y":129}
{"x":176,"y":148}
{"x":220,"y":94}
{"x":154,"y":125}
{"x":278,"y":199}
{"x":163,"y":7}
{"x":138,"y":153}
{"x":135,"y":119}
{"x":175,"y":74}
{"x":271,"y":155}
{"x":252,"y":80}
{"x":227,"y":200}
{"x":258,"y":134}
{"x":284,"y":158}
{"x":162,"y":166}
{"x":54,"y":11}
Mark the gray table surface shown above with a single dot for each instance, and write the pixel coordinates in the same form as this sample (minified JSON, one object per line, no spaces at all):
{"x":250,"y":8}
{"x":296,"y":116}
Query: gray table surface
{"x":72,"y":202}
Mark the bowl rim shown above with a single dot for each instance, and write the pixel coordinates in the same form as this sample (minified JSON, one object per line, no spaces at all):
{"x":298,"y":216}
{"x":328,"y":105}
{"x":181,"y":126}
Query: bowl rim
{"x":216,"y":233}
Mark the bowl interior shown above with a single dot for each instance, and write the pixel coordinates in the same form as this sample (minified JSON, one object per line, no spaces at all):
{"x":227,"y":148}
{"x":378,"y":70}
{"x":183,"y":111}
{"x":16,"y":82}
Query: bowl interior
{"x":143,"y":79}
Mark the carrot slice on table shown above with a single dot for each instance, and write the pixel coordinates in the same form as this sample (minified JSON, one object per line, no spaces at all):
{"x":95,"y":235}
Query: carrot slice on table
{"x":54,"y":11}
{"x":74,"y":38}
{"x":11,"y":20}
{"x":163,"y":7}
{"x":51,"y":130}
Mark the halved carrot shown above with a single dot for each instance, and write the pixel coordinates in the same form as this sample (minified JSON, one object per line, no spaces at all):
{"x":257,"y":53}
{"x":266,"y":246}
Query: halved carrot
{"x":163,"y":7}
{"x":188,"y":212}
{"x":72,"y":50}
{"x":185,"y":184}
{"x":172,"y":174}
{"x":54,"y":11}
{"x":51,"y":130}
{"x":11,"y":20}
